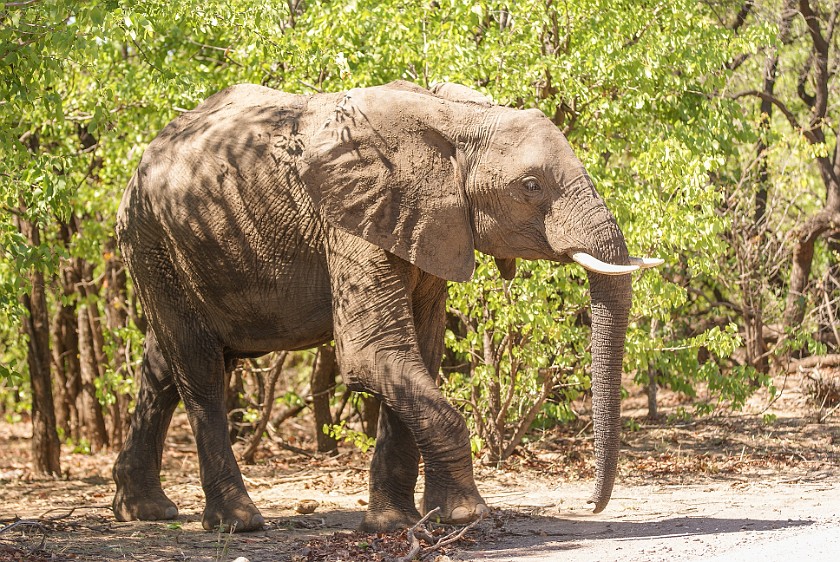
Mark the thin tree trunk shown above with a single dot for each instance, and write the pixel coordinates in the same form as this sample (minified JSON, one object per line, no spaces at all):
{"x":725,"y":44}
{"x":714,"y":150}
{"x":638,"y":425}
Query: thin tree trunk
{"x":60,"y":398}
{"x":67,"y":334}
{"x":323,"y":382}
{"x":73,"y":371}
{"x":46,"y":448}
{"x":90,"y":409}
{"x":267,"y":406}
{"x":652,"y":385}
{"x":116,"y":318}
{"x":825,"y":221}
{"x":235,"y":402}
{"x":803,"y":255}
{"x":370,"y":415}
{"x":752,"y":276}
{"x":751,"y":280}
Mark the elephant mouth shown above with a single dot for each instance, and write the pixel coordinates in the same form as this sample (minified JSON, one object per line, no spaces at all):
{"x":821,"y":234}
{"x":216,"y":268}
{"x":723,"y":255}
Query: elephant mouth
{"x":591,"y":263}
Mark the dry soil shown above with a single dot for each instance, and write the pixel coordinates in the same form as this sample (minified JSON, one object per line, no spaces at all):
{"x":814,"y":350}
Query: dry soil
{"x":726,"y":487}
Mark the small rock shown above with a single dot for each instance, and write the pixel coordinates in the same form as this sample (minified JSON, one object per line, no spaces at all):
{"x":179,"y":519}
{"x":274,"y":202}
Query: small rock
{"x":241,"y":559}
{"x":306,"y":506}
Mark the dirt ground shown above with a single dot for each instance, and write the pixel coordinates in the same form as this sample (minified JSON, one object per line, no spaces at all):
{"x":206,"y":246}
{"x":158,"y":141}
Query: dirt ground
{"x":725,"y":487}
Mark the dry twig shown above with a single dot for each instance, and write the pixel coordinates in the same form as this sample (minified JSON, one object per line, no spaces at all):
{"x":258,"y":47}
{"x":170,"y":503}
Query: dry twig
{"x":70,"y":510}
{"x":23,"y":523}
{"x":414,"y":541}
{"x":418,"y":531}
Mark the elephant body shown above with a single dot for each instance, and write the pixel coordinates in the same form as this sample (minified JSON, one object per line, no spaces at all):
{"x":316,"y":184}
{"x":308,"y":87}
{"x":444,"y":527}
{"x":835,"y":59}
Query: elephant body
{"x":264,"y":221}
{"x":257,"y":254}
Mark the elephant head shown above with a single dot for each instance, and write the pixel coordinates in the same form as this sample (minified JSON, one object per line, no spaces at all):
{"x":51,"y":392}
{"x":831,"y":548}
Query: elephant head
{"x":432,"y":178}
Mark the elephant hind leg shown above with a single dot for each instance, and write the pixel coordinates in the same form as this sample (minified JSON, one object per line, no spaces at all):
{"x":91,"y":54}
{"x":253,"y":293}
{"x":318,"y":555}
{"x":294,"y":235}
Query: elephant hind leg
{"x":195,"y":363}
{"x":393,"y":476}
{"x":198,"y":366}
{"x":137,"y":468}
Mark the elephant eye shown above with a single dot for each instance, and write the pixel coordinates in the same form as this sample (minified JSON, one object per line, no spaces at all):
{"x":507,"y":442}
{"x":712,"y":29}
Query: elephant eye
{"x":531,"y":185}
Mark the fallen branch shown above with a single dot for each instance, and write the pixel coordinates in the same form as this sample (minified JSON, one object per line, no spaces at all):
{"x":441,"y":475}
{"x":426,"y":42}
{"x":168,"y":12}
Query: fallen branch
{"x":23,"y":523}
{"x":70,"y":510}
{"x":452,"y":537}
{"x":831,"y":411}
{"x":418,"y":531}
{"x":29,"y":523}
{"x":414,"y":549}
{"x":298,"y":450}
{"x":831,"y":360}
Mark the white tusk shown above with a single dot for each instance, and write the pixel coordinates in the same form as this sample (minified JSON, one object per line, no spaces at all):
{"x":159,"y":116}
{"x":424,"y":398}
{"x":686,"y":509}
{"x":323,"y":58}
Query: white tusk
{"x":645,"y":263}
{"x":592,"y":263}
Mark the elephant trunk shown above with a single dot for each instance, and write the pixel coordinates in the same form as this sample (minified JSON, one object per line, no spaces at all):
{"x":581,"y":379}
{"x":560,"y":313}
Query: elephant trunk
{"x":610,"y":310}
{"x":595,"y":241}
{"x":611,"y":297}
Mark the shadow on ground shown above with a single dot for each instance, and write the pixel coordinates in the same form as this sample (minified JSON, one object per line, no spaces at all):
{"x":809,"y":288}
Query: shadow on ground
{"x":511,"y":533}
{"x":97,"y":536}
{"x":508,"y":535}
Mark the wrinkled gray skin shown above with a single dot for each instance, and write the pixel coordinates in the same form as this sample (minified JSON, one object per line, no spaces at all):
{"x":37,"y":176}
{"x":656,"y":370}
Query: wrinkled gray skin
{"x":263,"y":221}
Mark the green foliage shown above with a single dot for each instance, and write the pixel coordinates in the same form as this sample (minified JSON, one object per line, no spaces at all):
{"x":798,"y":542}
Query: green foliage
{"x":638,"y":87}
{"x":523,"y":348}
{"x":82,"y":447}
{"x":340,"y":432}
{"x":632,"y":424}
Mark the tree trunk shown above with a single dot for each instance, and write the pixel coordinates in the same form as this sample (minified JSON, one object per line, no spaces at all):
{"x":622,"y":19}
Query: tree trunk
{"x":651,"y":389}
{"x":116,"y":318}
{"x":753,"y":265}
{"x":825,"y":221}
{"x":60,"y":398}
{"x":46,"y":448}
{"x":652,"y":385}
{"x":370,"y":415}
{"x":235,"y":402}
{"x":266,"y":405}
{"x":66,"y":334}
{"x":323,"y":384}
{"x":89,"y":406}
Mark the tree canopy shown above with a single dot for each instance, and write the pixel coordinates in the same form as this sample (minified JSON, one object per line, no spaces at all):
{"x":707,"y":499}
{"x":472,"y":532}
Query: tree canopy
{"x":708,"y":127}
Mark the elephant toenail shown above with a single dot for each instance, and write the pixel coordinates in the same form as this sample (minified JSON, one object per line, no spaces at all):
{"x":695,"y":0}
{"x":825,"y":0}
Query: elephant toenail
{"x":171,"y":512}
{"x":461,"y":515}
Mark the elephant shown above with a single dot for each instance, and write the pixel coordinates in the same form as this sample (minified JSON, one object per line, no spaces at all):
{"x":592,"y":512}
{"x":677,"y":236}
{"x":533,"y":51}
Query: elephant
{"x":264,"y":220}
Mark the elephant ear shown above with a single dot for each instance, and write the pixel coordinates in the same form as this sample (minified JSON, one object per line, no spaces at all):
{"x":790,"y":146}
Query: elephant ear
{"x":382,"y":169}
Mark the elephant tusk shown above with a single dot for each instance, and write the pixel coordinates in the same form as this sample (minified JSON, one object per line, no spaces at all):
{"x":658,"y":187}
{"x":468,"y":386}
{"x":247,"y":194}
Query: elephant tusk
{"x":646,"y":263}
{"x":591,"y":263}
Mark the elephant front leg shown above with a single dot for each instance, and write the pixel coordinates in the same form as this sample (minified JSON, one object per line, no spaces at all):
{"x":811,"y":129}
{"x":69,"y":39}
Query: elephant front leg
{"x":417,"y":413}
{"x":450,"y":485}
{"x":376,"y":327}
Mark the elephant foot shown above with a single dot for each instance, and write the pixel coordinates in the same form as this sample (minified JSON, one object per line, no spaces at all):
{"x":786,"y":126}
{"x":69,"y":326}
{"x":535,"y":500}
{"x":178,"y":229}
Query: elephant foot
{"x":144,"y":506}
{"x":385,"y":520}
{"x":232,"y":516}
{"x":454,"y":508}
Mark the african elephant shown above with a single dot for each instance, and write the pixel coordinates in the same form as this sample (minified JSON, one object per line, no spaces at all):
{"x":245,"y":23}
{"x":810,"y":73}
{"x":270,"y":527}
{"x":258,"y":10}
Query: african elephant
{"x":263,"y":221}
